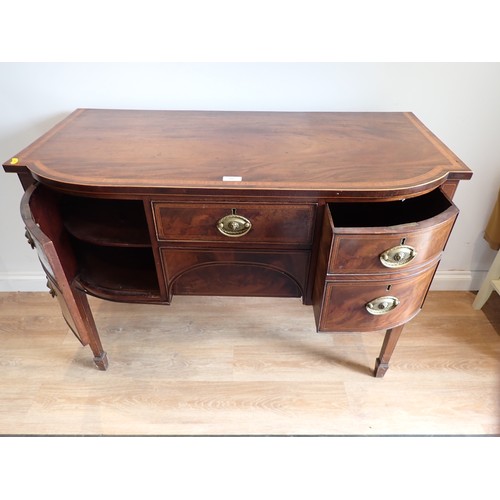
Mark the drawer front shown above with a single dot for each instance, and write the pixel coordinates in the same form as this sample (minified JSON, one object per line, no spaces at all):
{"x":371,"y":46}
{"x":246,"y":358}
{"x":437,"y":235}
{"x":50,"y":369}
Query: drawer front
{"x":235,"y":272}
{"x":346,"y":303}
{"x":399,"y":249}
{"x":270,"y":224}
{"x":369,"y":250}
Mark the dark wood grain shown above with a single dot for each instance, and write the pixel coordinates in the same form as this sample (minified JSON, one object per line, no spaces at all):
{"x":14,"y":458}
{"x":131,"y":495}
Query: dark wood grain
{"x":345,"y":302}
{"x":271,"y":224}
{"x":353,"y":152}
{"x":236,"y":272}
{"x":357,"y":250}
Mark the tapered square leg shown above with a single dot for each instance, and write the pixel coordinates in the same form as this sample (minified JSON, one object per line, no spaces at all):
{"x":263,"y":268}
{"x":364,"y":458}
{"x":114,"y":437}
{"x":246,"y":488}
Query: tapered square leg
{"x":85,"y":320}
{"x":390,"y":341}
{"x":101,"y":361}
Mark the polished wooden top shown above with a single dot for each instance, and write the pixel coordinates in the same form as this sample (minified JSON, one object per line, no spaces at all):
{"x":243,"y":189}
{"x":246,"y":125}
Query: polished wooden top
{"x":99,"y":150}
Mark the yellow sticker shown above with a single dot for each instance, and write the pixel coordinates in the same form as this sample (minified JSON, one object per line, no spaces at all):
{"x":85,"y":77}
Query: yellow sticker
{"x":14,"y":161}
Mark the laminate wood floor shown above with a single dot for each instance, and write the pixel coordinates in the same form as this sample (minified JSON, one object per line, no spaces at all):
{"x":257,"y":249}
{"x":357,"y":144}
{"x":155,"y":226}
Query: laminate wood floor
{"x":246,"y":366}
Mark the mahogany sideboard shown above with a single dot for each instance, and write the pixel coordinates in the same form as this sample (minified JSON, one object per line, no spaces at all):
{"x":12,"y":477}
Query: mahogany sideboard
{"x":349,"y":211}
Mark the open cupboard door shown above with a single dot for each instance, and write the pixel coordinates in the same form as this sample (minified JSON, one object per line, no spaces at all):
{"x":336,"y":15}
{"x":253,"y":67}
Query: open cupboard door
{"x":45,"y":232}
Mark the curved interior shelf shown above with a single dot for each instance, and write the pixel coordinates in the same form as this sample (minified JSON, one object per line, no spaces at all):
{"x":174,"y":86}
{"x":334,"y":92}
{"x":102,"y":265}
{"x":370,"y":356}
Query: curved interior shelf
{"x":106,"y":222}
{"x":113,"y":272}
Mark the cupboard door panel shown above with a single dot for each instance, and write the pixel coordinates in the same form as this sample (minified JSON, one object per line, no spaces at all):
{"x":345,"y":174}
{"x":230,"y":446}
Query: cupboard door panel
{"x":45,"y":233}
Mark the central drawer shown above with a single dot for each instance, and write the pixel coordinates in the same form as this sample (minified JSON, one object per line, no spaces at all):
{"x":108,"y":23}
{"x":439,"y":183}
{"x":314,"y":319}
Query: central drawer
{"x":287,"y":224}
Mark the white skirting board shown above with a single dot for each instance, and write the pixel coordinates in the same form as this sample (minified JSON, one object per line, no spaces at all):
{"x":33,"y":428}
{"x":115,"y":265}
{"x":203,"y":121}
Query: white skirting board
{"x":23,"y":282}
{"x":444,"y":280}
{"x":458,"y":280}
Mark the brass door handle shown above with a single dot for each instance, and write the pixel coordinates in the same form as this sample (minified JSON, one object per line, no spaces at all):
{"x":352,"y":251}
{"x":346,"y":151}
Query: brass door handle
{"x":27,"y":235}
{"x":51,"y":289}
{"x":234,"y":225}
{"x":382,"y":305}
{"x":398,"y":256}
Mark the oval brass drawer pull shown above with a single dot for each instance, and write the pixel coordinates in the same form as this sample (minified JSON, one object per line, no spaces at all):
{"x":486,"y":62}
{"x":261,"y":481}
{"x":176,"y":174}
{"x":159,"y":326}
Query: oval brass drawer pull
{"x":398,"y":256}
{"x":382,"y":305}
{"x":234,"y":225}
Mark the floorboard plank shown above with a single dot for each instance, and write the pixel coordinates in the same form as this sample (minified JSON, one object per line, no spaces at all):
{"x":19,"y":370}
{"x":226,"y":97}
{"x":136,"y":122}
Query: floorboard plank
{"x":186,"y":370}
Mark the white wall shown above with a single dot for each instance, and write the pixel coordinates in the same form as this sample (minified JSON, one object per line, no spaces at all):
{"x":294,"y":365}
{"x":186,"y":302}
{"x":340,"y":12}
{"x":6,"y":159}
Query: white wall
{"x":459,"y":102}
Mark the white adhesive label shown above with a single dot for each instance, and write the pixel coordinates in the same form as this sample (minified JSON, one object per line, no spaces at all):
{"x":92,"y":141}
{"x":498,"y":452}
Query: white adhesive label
{"x":233,"y":178}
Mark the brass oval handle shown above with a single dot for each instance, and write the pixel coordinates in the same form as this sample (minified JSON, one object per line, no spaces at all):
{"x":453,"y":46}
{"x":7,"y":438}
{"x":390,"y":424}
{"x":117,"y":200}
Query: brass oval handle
{"x":398,"y":256}
{"x":382,"y":305}
{"x":234,"y":225}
